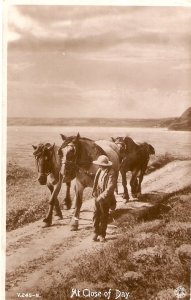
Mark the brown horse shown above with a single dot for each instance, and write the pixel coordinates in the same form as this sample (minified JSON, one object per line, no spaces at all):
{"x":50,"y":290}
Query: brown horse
{"x":48,"y":166}
{"x":77,"y":154}
{"x":133,"y":157}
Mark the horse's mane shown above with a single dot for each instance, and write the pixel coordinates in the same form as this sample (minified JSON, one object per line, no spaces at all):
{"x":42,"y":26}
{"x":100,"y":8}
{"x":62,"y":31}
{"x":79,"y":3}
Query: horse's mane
{"x":96,"y":149}
{"x":104,"y":143}
{"x":129,"y":139}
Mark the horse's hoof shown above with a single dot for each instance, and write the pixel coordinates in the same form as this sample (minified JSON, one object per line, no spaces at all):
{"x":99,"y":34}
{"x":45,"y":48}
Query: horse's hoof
{"x":46,"y":224}
{"x":66,"y":206}
{"x":74,"y":225}
{"x":74,"y":228}
{"x":126,"y":197}
{"x":59,"y":217}
{"x":57,"y":214}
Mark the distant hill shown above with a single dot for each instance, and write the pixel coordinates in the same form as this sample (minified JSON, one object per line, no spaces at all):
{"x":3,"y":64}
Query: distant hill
{"x":102,"y":122}
{"x":182,"y":123}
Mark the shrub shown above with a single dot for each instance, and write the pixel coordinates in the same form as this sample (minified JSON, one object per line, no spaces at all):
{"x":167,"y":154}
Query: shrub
{"x":162,"y":160}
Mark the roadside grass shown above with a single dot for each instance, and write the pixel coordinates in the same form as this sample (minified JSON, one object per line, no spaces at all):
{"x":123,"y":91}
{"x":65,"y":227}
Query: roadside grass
{"x":24,"y":197}
{"x":158,"y":161}
{"x":27,"y":200}
{"x":144,"y":259}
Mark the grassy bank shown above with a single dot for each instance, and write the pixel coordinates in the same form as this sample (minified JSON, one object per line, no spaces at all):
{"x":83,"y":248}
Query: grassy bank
{"x":145,"y":260}
{"x":26,"y":200}
{"x":159,"y":161}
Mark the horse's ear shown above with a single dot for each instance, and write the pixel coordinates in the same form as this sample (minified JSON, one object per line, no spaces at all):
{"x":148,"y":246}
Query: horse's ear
{"x":59,"y":152}
{"x":51,"y":147}
{"x":152,"y":149}
{"x":78,"y":136}
{"x":63,"y":137}
{"x":34,"y":147}
{"x":113,"y":140}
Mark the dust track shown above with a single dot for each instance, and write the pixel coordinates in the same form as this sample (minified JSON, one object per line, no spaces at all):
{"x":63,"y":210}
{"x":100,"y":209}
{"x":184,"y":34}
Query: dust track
{"x":38,"y":257}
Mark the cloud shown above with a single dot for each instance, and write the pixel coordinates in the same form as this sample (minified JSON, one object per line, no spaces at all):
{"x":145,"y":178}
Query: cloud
{"x":87,"y":28}
{"x":22,"y":25}
{"x":98,"y":61}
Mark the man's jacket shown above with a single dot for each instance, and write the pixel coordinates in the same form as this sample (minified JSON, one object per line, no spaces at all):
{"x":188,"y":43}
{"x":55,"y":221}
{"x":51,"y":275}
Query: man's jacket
{"x":109,"y":183}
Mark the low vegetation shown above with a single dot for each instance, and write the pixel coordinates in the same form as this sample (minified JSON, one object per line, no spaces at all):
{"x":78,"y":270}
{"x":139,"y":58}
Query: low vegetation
{"x":26,"y":200}
{"x":160,"y":161}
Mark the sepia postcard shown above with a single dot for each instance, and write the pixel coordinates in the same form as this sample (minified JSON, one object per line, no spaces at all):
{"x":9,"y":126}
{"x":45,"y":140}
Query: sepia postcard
{"x":96,"y":150}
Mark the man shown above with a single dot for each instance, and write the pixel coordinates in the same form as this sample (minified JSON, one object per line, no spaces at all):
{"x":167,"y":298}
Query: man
{"x":103,"y":190}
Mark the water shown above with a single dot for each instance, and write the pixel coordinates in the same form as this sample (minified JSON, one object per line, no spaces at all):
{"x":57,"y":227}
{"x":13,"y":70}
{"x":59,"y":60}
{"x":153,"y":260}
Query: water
{"x":21,"y":138}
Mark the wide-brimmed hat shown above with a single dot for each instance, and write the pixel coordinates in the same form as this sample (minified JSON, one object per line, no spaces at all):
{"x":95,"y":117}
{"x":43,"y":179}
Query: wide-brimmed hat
{"x":102,"y":161}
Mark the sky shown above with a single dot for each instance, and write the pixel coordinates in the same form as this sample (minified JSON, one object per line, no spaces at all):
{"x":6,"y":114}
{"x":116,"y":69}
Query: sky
{"x":98,"y":61}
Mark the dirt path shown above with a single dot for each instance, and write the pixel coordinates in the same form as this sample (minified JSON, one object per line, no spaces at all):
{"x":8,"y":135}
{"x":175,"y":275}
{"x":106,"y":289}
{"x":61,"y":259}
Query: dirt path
{"x":37,"y":257}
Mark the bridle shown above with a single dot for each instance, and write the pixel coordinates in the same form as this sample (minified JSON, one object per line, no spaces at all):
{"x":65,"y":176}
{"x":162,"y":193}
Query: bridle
{"x":122,"y":144}
{"x":38,"y":154}
{"x":67,"y":162}
{"x":74,"y":165}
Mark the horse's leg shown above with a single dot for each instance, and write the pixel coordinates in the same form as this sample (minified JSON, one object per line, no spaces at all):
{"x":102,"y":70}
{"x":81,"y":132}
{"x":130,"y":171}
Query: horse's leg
{"x":124,"y":183}
{"x":53,"y":200}
{"x":138,"y":191}
{"x":57,"y":205}
{"x":67,"y":200}
{"x":116,"y":188}
{"x":79,"y":188}
{"x":134,"y":183}
{"x":140,"y":180}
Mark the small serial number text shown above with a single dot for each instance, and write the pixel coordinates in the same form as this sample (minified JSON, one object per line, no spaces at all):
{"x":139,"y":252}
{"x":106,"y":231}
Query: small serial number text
{"x":28,"y":295}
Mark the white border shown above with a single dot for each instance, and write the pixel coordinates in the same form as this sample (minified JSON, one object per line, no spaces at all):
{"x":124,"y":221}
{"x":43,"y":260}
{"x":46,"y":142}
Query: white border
{"x":186,"y":3}
{"x":3,"y":142}
{"x":3,"y":90}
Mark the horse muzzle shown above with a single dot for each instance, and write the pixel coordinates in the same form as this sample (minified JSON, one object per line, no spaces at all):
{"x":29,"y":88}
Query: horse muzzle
{"x":42,"y":179}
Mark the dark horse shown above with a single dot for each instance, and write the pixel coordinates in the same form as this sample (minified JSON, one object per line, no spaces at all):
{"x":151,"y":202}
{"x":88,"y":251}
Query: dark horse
{"x":77,"y":154}
{"x":133,"y":157}
{"x":48,"y":166}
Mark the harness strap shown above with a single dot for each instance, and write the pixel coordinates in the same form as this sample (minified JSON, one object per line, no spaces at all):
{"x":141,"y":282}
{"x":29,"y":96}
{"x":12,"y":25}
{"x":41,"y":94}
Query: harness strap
{"x":83,"y":171}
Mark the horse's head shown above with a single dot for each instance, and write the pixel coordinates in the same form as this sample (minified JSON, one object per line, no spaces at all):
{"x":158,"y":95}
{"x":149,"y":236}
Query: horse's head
{"x":68,"y":153}
{"x":119,"y":141}
{"x":151,"y":149}
{"x":146,"y":149}
{"x":43,"y":156}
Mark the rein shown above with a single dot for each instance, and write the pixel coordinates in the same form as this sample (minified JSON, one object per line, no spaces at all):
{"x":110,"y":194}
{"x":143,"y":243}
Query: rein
{"x":78,"y":167}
